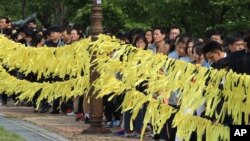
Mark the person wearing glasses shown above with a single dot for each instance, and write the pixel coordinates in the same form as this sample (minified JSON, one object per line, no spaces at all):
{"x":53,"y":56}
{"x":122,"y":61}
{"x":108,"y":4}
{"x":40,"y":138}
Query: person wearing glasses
{"x":235,"y":42}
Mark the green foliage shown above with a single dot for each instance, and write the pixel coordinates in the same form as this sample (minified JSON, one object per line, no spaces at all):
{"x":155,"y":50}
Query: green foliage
{"x":9,"y":136}
{"x":195,"y":17}
{"x":10,"y":8}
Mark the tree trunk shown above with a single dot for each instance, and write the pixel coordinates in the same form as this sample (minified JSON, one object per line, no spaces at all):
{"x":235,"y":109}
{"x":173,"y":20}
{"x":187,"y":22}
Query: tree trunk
{"x":58,"y":12}
{"x":24,"y":6}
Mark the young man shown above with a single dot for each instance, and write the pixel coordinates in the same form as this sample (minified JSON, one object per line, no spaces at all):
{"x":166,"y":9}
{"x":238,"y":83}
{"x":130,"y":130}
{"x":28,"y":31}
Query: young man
{"x":174,"y":32}
{"x":4,"y":23}
{"x":66,"y":35}
{"x":55,"y":37}
{"x":235,"y":42}
{"x":214,"y":53}
{"x":216,"y":36}
{"x":239,"y":60}
{"x":159,"y":35}
{"x":55,"y":41}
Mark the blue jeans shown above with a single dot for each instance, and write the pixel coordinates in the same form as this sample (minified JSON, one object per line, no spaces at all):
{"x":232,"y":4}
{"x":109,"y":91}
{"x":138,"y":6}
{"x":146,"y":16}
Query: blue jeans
{"x":137,"y":123}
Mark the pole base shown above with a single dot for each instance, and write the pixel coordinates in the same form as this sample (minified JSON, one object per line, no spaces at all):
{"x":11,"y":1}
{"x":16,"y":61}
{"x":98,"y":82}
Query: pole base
{"x":96,"y":130}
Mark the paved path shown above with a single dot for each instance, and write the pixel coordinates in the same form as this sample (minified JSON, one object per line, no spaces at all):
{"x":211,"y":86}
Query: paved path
{"x":29,"y":131}
{"x":53,"y":127}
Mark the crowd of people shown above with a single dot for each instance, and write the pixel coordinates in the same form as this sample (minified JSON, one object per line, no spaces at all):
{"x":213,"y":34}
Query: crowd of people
{"x":218,"y":51}
{"x":50,"y":36}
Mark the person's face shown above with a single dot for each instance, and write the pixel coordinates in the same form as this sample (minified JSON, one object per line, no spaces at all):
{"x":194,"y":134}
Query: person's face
{"x":197,"y":57}
{"x":19,"y":37}
{"x":174,"y":33}
{"x":28,"y":38}
{"x":65,"y":36}
{"x":3,"y":24}
{"x":55,"y":36}
{"x":181,"y":49}
{"x":140,"y":44}
{"x":190,"y":47}
{"x":158,"y":36}
{"x":74,"y":36}
{"x":216,"y":38}
{"x":149,"y":36}
{"x":32,"y":25}
{"x":42,"y":43}
{"x":213,"y":56}
{"x":239,"y":45}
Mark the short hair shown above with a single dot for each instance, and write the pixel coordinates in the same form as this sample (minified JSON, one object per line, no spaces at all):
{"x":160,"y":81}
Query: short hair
{"x":54,"y":28}
{"x":67,"y":29}
{"x":212,"y":46}
{"x":175,"y":27}
{"x":6,"y":18}
{"x":217,"y":32}
{"x":171,"y":44}
{"x":235,"y":38}
{"x":77,"y":32}
{"x":141,"y":36}
{"x":161,"y":28}
{"x":29,"y":32}
{"x":183,"y":39}
{"x":36,"y":39}
{"x":32,"y":21}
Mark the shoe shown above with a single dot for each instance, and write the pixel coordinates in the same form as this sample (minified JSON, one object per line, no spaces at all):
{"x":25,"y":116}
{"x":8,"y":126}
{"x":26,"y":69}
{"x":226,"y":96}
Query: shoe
{"x":109,"y":124}
{"x":35,"y":111}
{"x":87,"y":120}
{"x":70,"y":114}
{"x":116,"y":123}
{"x":156,"y":137}
{"x":120,"y":133}
{"x":79,"y":117}
{"x":68,"y":111}
{"x":45,"y":109}
{"x":55,"y":112}
{"x":134,"y":134}
{"x":129,"y":134}
{"x":137,"y":134}
{"x":4,"y":103}
{"x":28,"y":104}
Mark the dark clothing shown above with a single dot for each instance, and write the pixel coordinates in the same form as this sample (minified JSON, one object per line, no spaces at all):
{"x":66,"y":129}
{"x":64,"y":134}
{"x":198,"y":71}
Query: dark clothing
{"x":52,"y":44}
{"x":4,"y":98}
{"x":110,"y":110}
{"x":239,"y":61}
{"x":56,"y":102}
{"x":221,"y":64}
{"x":80,"y":108}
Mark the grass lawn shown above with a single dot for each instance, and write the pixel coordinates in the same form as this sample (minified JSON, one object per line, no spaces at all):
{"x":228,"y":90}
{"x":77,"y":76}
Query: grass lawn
{"x":9,"y":136}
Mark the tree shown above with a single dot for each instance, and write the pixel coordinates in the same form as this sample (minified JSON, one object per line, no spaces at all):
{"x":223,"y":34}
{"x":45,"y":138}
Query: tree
{"x":195,"y":17}
{"x":24,"y":8}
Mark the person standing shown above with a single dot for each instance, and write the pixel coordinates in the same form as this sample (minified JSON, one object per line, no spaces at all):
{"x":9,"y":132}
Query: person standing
{"x":4,"y":23}
{"x":55,"y":41}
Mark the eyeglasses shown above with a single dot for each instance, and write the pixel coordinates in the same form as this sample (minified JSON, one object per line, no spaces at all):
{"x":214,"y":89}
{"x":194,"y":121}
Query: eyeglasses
{"x":238,"y":44}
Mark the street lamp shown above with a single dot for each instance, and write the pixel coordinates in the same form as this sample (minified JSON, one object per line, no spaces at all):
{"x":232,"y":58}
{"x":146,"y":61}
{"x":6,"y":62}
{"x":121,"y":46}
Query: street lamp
{"x":96,"y":105}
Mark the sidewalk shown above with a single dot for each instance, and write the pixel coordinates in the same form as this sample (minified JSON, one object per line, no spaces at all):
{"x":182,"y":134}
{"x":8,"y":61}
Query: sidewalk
{"x":61,"y":124}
